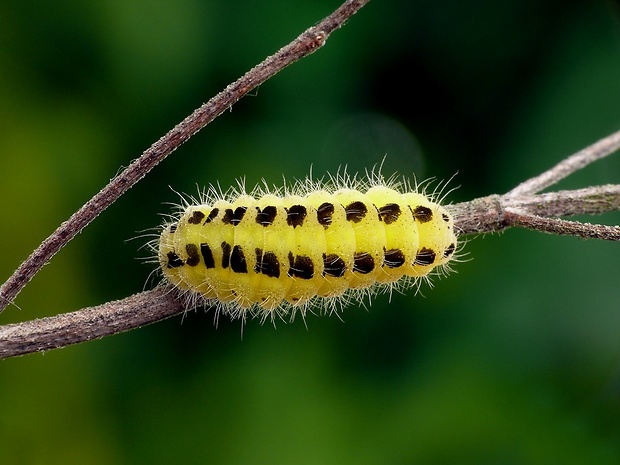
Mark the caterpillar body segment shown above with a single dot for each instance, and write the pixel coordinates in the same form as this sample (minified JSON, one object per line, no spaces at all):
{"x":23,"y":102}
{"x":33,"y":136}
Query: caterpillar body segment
{"x":271,"y":254}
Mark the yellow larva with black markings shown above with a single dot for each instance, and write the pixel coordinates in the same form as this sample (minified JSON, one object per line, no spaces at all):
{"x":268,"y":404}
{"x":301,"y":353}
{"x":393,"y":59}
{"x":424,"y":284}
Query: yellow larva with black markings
{"x":271,"y":254}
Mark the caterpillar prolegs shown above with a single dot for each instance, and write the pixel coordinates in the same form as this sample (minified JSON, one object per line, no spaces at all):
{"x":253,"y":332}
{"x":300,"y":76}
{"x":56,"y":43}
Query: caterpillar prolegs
{"x":270,"y":254}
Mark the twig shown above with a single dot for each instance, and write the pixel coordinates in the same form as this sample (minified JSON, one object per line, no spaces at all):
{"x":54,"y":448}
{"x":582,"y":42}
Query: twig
{"x":562,"y":227}
{"x":87,"y":324}
{"x":588,"y":201}
{"x":566,"y":167}
{"x":487,"y":214}
{"x":307,"y":43}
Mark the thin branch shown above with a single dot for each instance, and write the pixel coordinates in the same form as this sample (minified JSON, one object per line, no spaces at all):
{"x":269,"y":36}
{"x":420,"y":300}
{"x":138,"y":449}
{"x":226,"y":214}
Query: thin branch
{"x":308,"y":42}
{"x":87,"y":324}
{"x":562,"y":227}
{"x":566,"y":167}
{"x":588,"y":201}
{"x":487,"y":214}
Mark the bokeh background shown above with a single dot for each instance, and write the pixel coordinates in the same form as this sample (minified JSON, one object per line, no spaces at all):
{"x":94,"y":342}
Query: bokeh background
{"x":513,"y":359}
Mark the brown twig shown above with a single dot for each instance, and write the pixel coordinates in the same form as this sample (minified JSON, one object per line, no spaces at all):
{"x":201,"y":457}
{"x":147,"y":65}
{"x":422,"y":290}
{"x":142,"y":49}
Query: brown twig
{"x":561,"y":227}
{"x":566,"y":167}
{"x":87,"y":324}
{"x":308,"y":42}
{"x":487,"y":214}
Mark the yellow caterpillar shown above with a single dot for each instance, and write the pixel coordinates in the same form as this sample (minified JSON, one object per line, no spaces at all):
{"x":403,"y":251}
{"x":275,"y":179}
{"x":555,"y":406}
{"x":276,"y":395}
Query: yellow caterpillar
{"x":272,"y":254}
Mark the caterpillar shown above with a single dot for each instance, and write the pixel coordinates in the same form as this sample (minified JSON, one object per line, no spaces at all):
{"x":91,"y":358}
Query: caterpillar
{"x":274,"y":252}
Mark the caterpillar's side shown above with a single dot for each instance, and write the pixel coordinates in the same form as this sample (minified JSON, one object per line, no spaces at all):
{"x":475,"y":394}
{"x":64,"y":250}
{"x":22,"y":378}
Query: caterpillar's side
{"x":316,"y":245}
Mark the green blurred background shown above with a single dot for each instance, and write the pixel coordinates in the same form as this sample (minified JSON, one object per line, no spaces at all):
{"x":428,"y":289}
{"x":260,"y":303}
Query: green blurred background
{"x":514,"y":359}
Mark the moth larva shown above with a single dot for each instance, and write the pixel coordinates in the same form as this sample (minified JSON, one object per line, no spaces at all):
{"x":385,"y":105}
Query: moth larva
{"x":272,"y":254}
